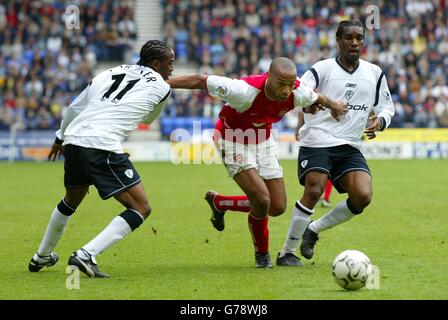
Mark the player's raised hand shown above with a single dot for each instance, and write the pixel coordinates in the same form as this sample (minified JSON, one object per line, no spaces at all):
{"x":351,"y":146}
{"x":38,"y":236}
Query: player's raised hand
{"x":55,"y":152}
{"x":372,"y":127}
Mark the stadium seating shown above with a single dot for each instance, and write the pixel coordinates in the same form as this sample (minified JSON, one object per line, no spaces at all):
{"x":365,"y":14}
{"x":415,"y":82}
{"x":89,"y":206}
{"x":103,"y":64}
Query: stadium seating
{"x":191,"y":124}
{"x":44,"y":64}
{"x":236,"y":38}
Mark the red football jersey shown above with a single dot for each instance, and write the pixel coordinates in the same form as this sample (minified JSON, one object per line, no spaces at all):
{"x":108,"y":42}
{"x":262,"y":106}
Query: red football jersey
{"x":258,"y":118}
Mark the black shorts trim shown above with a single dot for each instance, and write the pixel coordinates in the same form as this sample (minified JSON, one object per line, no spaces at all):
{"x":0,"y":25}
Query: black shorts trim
{"x":121,"y":189}
{"x":76,"y":187}
{"x":349,"y":170}
{"x":319,"y":169}
{"x":336,"y":183}
{"x":112,"y":170}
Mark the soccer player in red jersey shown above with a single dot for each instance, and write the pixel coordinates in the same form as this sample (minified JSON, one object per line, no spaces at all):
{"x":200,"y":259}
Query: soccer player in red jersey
{"x":249,"y":152}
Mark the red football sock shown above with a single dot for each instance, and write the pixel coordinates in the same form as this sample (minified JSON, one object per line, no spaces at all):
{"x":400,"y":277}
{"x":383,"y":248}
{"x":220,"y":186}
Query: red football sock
{"x":260,"y":233}
{"x":327,"y":192}
{"x":233,"y":203}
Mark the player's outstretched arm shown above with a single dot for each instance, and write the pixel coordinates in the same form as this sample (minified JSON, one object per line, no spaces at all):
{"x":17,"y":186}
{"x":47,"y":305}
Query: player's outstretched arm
{"x":194,"y":81}
{"x":337,"y":108}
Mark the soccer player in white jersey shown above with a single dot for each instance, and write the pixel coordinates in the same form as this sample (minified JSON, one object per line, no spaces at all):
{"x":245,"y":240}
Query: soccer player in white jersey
{"x":249,"y":152}
{"x":90,"y":137}
{"x":331,"y":149}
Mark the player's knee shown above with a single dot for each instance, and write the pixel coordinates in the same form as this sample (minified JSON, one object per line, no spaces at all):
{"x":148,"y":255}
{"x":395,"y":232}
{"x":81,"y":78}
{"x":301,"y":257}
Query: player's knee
{"x":357,"y":203}
{"x":314,"y":191}
{"x":145,"y":210}
{"x":364,"y":199}
{"x":277,"y":209}
{"x":261,"y":201}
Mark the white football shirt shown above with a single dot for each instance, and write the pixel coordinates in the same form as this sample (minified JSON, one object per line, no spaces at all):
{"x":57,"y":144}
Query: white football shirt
{"x":114,"y":103}
{"x":365,"y":90}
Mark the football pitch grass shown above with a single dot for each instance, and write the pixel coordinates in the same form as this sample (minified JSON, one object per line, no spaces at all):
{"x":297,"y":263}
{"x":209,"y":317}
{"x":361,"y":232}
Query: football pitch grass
{"x":176,"y":253}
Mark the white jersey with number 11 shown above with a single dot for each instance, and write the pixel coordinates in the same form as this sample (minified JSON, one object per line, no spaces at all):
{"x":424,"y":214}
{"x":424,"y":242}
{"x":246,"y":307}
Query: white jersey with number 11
{"x":114,"y":103}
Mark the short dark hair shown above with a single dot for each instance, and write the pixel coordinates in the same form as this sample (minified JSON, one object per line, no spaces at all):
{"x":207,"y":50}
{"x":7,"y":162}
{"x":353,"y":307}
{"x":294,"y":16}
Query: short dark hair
{"x":152,"y":50}
{"x":349,"y":23}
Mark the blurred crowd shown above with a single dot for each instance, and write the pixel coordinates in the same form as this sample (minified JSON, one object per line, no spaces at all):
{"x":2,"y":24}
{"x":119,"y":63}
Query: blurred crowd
{"x":240,"y":37}
{"x":47,"y":58}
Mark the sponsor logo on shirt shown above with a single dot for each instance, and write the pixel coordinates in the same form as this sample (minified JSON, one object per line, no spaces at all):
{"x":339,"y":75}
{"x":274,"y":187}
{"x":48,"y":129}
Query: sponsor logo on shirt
{"x":356,"y":107}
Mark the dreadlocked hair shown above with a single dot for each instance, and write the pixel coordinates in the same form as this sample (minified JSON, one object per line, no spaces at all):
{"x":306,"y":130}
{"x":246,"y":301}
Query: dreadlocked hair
{"x":348,"y":23}
{"x":152,"y":50}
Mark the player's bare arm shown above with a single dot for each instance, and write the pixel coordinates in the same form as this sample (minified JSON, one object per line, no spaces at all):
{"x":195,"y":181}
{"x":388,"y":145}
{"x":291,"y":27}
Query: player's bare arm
{"x":337,"y":108}
{"x":313,"y":108}
{"x":195,"y":81}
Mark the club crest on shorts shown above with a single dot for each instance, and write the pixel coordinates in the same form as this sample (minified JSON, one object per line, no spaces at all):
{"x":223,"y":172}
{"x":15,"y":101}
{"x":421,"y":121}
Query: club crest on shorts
{"x":129,"y":173}
{"x":304,"y":163}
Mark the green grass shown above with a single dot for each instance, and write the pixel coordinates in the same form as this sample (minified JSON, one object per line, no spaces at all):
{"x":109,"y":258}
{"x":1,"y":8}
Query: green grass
{"x":176,"y":254}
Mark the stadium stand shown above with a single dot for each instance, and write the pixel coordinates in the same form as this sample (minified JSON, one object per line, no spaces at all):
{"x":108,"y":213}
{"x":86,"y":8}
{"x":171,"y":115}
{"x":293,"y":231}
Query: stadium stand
{"x":43,"y":66}
{"x":236,"y":38}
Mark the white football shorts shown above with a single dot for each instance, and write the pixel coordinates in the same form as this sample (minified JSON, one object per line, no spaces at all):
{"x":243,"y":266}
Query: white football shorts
{"x":238,"y":157}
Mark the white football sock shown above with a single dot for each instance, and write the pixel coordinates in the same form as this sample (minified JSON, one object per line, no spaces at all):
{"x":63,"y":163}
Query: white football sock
{"x":117,"y":229}
{"x":53,"y":233}
{"x":338,"y":215}
{"x":297,"y":226}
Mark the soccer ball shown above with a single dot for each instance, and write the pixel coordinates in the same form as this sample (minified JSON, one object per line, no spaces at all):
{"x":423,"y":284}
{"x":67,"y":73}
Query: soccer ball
{"x":352,"y":269}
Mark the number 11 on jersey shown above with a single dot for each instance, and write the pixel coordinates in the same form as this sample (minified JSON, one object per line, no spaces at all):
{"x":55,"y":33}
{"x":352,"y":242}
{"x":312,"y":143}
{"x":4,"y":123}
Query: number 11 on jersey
{"x":118,"y":79}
